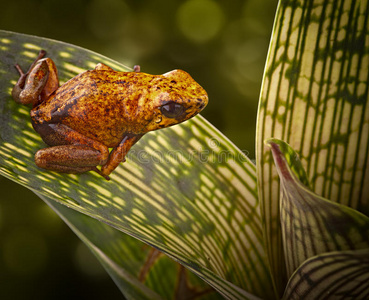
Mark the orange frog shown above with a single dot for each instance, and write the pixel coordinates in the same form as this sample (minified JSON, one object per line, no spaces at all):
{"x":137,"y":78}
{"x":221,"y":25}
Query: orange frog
{"x":101,"y":109}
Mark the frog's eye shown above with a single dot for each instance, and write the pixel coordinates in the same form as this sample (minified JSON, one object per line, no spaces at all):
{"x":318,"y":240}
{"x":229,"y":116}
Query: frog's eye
{"x":172,"y":110}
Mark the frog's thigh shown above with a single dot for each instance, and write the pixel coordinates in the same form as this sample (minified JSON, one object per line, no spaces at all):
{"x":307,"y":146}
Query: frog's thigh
{"x":68,"y":158}
{"x":60,"y":134}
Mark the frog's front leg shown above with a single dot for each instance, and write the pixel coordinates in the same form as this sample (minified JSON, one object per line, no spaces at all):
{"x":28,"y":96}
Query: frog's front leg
{"x":40,"y":81}
{"x":119,"y":153}
{"x":71,"y":152}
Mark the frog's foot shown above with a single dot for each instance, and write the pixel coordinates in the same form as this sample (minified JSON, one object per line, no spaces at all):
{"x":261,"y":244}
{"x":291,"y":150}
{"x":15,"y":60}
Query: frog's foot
{"x":72,"y":159}
{"x":41,"y":54}
{"x":29,"y":85}
{"x":23,"y":76}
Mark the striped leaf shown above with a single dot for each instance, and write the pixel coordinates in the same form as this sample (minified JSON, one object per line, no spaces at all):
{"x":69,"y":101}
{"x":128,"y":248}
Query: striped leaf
{"x":334,"y":275}
{"x":186,"y":190}
{"x":312,"y":225}
{"x":315,"y":97}
{"x":140,"y":271}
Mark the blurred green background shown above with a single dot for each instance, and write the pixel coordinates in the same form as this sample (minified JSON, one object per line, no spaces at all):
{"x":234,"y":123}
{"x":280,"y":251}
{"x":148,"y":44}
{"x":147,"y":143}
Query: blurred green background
{"x":222,"y":44}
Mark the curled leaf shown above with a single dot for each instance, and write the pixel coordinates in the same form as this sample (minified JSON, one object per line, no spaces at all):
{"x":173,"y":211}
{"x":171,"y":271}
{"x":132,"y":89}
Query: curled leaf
{"x":312,"y":225}
{"x":315,"y":97}
{"x":334,"y":275}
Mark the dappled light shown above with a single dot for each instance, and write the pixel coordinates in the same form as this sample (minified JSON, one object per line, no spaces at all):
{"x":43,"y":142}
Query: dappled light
{"x":223,"y":45}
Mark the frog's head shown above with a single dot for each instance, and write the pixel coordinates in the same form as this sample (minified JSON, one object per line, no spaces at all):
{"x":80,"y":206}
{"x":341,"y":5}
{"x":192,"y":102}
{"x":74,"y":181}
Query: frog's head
{"x":178,"y":97}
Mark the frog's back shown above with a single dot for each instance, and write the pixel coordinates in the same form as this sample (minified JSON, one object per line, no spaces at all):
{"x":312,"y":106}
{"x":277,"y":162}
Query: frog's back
{"x":99,"y":104}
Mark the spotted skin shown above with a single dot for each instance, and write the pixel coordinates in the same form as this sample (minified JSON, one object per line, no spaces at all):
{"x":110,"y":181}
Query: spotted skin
{"x":101,"y":109}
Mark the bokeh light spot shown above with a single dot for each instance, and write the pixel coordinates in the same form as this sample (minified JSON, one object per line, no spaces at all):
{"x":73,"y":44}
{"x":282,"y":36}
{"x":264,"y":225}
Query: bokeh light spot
{"x":200,"y":20}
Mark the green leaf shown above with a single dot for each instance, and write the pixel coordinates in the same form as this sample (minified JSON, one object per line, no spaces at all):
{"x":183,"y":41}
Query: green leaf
{"x":315,"y":97}
{"x":132,"y":264}
{"x":334,"y":275}
{"x":312,"y":225}
{"x":186,"y":190}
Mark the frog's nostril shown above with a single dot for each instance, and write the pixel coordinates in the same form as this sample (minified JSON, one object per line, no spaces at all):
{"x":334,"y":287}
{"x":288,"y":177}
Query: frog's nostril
{"x":202,"y":105}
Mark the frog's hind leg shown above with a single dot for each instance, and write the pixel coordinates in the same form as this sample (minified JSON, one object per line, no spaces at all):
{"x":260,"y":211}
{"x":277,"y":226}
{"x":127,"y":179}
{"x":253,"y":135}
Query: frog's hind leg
{"x":28,"y":88}
{"x":40,"y":81}
{"x":23,"y":75}
{"x":72,"y":159}
{"x":70,"y":151}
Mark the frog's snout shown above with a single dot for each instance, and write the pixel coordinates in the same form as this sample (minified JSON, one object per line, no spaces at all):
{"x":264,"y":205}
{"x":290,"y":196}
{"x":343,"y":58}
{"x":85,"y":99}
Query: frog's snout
{"x":202,"y":106}
{"x":202,"y":103}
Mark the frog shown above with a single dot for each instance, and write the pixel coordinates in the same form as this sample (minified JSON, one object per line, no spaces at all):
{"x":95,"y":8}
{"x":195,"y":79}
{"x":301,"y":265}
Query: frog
{"x":90,"y":122}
